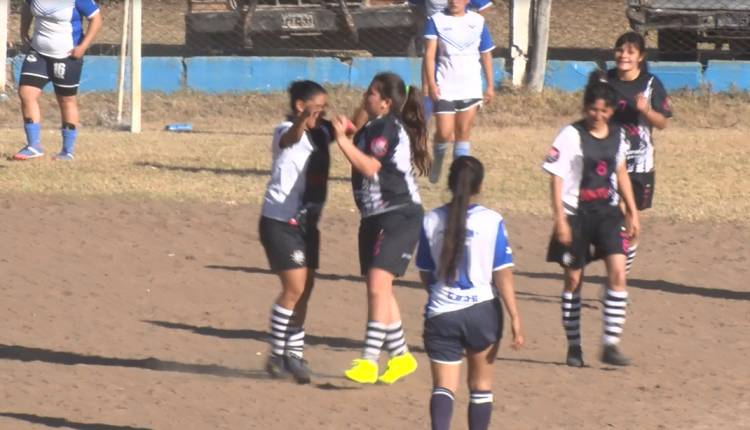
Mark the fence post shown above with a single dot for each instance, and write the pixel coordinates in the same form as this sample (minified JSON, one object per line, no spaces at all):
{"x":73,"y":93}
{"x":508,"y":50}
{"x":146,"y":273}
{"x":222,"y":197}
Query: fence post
{"x":135,"y":68}
{"x":541,"y":44}
{"x":4,"y":7}
{"x":520,"y":14}
{"x":123,"y":57}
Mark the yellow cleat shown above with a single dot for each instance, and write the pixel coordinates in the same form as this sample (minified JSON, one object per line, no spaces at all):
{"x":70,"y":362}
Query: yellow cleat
{"x":363,"y":371}
{"x":398,"y":367}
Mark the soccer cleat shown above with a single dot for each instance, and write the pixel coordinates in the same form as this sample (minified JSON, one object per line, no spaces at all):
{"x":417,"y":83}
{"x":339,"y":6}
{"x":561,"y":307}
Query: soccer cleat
{"x":28,"y":152}
{"x":297,"y":366}
{"x":575,"y":356}
{"x":612,"y":355}
{"x":275,"y":366}
{"x":398,"y":367}
{"x":363,"y":371}
{"x":64,"y":156}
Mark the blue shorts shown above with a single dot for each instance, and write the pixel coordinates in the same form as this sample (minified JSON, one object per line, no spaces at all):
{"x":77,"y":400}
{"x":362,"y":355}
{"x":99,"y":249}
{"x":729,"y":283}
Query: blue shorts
{"x":65,"y":73}
{"x":475,"y":328}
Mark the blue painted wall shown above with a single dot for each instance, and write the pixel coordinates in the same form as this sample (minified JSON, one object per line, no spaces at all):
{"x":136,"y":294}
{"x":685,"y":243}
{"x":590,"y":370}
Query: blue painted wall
{"x":267,"y":74}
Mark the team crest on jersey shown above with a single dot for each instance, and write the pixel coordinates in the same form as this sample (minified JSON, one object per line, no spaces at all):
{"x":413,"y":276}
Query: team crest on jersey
{"x":553,"y":155}
{"x":298,"y":257}
{"x":379,"y":146}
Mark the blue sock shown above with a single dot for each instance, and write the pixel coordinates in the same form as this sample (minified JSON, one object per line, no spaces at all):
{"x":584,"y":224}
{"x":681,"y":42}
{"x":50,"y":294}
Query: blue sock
{"x":480,"y":410}
{"x":441,"y":408}
{"x":461,"y":148}
{"x":33,"y":134}
{"x":69,"y":140}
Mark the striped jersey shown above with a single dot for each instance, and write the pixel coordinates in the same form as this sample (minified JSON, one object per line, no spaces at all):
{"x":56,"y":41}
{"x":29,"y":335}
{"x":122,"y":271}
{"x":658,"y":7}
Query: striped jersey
{"x":394,"y":185}
{"x":587,"y":166}
{"x":639,"y":131}
{"x":58,"y":25}
{"x":486,"y":250}
{"x":460,"y":40}
{"x":299,"y":173}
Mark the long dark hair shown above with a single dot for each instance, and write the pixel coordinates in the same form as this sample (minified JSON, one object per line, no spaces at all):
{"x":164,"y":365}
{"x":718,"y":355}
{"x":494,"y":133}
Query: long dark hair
{"x":464,"y":180}
{"x":406,"y":104}
{"x":303,"y":90}
{"x":598,"y":88}
{"x":637,"y":40}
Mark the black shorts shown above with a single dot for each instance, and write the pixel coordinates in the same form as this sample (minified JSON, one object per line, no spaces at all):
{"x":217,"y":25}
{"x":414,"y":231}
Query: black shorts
{"x":643,"y":189}
{"x":450,"y":107}
{"x":387,"y":241}
{"x":288,"y":246}
{"x":595,"y":236}
{"x":475,"y":328}
{"x":65,"y":73}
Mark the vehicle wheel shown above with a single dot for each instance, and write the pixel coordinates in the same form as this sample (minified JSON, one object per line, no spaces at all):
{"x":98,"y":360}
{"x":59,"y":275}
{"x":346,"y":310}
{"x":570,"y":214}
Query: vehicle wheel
{"x":678,"y":45}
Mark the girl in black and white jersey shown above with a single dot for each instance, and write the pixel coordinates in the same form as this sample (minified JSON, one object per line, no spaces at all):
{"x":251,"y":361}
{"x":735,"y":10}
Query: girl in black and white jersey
{"x":588,"y":175}
{"x":289,"y":223}
{"x":381,"y":154}
{"x":642,"y":105}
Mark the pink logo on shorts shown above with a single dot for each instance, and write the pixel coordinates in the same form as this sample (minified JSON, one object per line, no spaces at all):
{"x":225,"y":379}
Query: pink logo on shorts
{"x":601,"y":168}
{"x":379,"y":146}
{"x":625,"y":241}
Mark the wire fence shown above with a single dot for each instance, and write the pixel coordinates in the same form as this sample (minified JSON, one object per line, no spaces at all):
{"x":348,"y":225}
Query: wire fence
{"x":580,"y":29}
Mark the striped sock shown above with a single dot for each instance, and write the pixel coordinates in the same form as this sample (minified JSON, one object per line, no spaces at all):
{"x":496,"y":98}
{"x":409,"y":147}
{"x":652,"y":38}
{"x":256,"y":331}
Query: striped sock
{"x":480,"y":410}
{"x":295,"y":341}
{"x":571,"y":317}
{"x":395,"y":340}
{"x":615,"y":306}
{"x":279,"y":326}
{"x":441,"y":408}
{"x":630,"y":257}
{"x":374,"y":339}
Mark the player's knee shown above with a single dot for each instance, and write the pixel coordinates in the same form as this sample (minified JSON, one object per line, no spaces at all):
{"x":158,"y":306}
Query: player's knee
{"x":572,"y":280}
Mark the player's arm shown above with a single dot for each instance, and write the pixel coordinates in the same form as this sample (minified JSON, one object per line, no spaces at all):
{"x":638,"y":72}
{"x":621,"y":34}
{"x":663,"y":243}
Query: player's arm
{"x":429,"y":86}
{"x":365,"y":164}
{"x":95,"y":24}
{"x":25,"y":23}
{"x":654,"y":117}
{"x":504,"y":280}
{"x":297,"y":130}
{"x":625,"y":188}
{"x":563,"y":233}
{"x":486,"y":46}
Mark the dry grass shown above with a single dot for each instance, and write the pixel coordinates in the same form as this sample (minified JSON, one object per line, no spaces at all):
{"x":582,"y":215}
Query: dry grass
{"x":701,"y":158}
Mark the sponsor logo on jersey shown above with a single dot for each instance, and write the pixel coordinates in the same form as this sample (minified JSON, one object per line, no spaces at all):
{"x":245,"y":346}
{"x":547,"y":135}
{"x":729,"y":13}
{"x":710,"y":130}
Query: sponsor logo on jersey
{"x":298,"y":257}
{"x":379,"y":146}
{"x":590,"y":195}
{"x":553,"y":155}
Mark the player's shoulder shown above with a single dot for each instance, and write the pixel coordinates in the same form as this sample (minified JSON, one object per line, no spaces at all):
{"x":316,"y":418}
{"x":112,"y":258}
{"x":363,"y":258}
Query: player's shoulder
{"x":282,"y":127}
{"x":485,"y":215}
{"x":474,"y":17}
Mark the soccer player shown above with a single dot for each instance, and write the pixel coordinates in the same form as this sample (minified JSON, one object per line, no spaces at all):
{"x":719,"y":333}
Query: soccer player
{"x":56,"y":52}
{"x":463,"y":256}
{"x":458,"y":48}
{"x":381,"y":154}
{"x":588,"y":173}
{"x":642,"y":104}
{"x":288,"y":228}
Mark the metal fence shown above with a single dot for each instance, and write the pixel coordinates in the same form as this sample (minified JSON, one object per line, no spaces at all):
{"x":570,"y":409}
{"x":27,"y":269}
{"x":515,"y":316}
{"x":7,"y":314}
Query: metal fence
{"x":580,"y":29}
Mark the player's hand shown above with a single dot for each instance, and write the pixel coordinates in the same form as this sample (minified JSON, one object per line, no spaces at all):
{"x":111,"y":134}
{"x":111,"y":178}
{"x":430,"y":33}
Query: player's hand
{"x":642,"y":103}
{"x":434,"y":93}
{"x":489,"y":95}
{"x":632,"y":226}
{"x":563,"y":233}
{"x":78,"y":52}
{"x":342,"y":127}
{"x":515,"y":326}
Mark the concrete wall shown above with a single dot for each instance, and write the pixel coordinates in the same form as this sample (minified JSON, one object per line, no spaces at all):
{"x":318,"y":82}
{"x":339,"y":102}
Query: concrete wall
{"x":268,"y":74}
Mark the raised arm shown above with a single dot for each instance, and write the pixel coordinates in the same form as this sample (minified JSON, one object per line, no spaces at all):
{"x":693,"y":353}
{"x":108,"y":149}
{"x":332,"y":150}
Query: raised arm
{"x":365,"y":164}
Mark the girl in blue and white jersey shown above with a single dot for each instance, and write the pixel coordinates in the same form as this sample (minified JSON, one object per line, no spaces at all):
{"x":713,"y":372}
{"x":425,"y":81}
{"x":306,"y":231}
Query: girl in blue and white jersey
{"x":464,"y":257}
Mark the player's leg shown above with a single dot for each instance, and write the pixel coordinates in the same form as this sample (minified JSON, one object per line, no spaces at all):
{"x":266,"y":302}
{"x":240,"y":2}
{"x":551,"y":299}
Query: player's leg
{"x":480,"y":386}
{"x":613,"y":242}
{"x":66,"y":78}
{"x":442,"y":336}
{"x":464,"y":122}
{"x":33,"y":79}
{"x":445,"y":380}
{"x":445,"y":121}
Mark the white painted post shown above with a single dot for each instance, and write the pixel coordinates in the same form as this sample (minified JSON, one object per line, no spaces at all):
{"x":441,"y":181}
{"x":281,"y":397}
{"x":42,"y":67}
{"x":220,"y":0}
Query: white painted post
{"x":542,"y":16}
{"x":520,"y":20}
{"x":135,"y":69}
{"x":123,"y":56}
{"x":4,"y":7}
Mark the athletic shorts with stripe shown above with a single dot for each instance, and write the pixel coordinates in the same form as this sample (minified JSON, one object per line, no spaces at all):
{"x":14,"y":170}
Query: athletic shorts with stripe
{"x":387,"y":241}
{"x":475,"y":328}
{"x":448,"y":107}
{"x":644,"y":185}
{"x":65,"y":73}
{"x":604,"y":232}
{"x":288,"y":246}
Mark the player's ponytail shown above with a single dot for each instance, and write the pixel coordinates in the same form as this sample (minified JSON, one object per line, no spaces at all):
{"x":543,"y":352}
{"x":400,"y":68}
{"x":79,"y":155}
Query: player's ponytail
{"x":406,"y":104}
{"x":598,"y":88}
{"x":464,"y":180}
